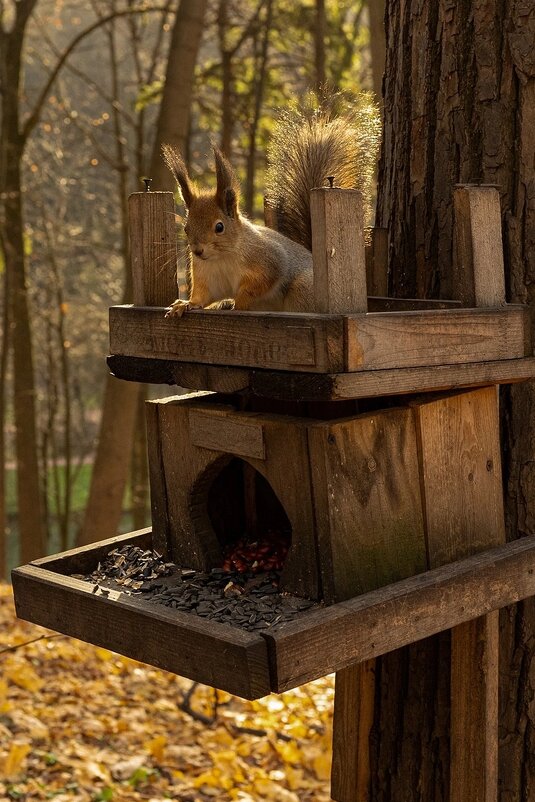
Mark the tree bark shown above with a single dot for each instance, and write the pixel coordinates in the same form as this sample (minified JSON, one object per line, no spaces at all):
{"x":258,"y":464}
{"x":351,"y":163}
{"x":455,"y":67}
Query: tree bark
{"x":119,"y":412}
{"x":175,"y":109}
{"x":376,"y":12}
{"x":460,"y":108}
{"x":30,"y":512}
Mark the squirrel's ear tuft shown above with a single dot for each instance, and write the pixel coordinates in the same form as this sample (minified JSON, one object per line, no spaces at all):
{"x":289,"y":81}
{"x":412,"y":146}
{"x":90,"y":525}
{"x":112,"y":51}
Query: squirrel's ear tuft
{"x":176,"y":164}
{"x":228,"y":189}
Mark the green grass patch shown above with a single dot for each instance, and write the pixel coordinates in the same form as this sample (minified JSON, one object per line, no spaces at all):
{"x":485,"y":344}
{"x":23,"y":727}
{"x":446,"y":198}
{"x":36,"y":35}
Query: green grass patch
{"x":80,"y":488}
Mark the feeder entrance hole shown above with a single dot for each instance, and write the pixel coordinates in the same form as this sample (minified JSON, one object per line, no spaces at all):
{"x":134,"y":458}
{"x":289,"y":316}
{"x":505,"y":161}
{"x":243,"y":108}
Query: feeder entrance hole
{"x":251,"y":526}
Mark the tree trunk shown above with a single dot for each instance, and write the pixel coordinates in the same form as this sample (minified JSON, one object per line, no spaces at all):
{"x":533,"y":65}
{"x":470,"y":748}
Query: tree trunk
{"x":119,"y":412}
{"x":460,"y":108}
{"x":376,"y":12}
{"x":175,"y":109}
{"x":29,"y":506}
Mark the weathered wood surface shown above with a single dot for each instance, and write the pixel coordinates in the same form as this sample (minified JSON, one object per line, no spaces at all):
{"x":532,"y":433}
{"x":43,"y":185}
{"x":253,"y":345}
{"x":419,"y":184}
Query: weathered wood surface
{"x":474,"y":709}
{"x":369,"y":491}
{"x":379,"y":341}
{"x":193,"y":647}
{"x":479,"y":275}
{"x":352,"y":724}
{"x":293,"y":386}
{"x":84,"y":559}
{"x":337,"y":220}
{"x":391,"y":617}
{"x":153,"y":248}
{"x":257,"y":339}
{"x":459,"y":440}
{"x":220,"y":431}
{"x":322,"y":343}
{"x":367,"y":506}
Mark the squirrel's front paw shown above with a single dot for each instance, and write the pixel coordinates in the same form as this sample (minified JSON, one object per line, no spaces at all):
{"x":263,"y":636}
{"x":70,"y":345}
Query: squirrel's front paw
{"x":178,"y":308}
{"x":227,"y":303}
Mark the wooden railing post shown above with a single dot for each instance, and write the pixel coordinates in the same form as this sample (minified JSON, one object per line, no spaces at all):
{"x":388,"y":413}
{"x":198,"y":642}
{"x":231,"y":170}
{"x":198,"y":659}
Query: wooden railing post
{"x":337,"y":219}
{"x":479,"y":281}
{"x":153,"y":248}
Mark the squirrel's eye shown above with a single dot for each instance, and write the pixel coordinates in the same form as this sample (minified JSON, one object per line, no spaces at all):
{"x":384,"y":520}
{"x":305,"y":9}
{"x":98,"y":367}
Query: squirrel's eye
{"x":219,"y":227}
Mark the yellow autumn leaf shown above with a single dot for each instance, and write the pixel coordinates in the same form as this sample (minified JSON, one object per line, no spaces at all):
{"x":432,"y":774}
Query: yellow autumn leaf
{"x":290,"y":752}
{"x":5,"y":704}
{"x":15,"y":759}
{"x":156,"y":747}
{"x":25,"y":677}
{"x":322,"y":765}
{"x":104,"y":654}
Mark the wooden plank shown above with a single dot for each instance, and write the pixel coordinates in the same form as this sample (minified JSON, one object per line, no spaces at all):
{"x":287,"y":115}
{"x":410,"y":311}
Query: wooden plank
{"x":479,"y":277}
{"x":85,"y":559}
{"x":370,"y":533}
{"x":383,"y":304}
{"x":459,"y":440}
{"x":158,"y":488}
{"x":292,"y":386}
{"x":354,"y":697}
{"x":338,"y":250}
{"x":180,"y":374}
{"x":389,"y":618}
{"x":474,"y":713}
{"x":153,"y":248}
{"x":367,"y":507}
{"x":379,"y":341}
{"x":185,"y":644}
{"x":426,"y":379}
{"x":255,"y":339}
{"x":242,"y":435}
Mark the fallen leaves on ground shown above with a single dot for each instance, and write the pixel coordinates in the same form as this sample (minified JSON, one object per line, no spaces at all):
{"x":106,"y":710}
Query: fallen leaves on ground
{"x":80,"y":723}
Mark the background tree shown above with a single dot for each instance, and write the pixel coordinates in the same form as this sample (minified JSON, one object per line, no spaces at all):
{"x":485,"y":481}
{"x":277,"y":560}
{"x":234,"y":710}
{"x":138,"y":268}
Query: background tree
{"x":121,"y":409}
{"x":459,"y":107}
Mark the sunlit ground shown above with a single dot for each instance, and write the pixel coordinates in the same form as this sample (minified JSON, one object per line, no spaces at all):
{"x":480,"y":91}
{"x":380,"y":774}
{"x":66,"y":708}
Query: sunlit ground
{"x":80,"y":723}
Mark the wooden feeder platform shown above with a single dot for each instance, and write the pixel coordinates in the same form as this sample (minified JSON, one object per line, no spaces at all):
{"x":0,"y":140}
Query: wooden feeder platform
{"x":252,"y":665}
{"x":324,"y":357}
{"x":395,"y":504}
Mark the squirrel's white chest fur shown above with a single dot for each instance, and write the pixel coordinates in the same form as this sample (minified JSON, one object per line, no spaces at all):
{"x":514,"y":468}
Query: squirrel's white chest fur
{"x":219,"y":274}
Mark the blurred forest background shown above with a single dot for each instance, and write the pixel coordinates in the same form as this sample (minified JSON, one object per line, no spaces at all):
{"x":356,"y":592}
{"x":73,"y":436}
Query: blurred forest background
{"x":89,"y":91}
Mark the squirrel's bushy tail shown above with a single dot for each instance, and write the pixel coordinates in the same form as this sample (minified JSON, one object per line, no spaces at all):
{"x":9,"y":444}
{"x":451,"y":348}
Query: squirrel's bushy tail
{"x":313,"y":141}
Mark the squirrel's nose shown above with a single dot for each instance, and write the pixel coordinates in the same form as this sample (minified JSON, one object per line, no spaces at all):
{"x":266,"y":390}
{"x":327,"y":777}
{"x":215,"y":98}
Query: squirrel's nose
{"x":198,"y":250}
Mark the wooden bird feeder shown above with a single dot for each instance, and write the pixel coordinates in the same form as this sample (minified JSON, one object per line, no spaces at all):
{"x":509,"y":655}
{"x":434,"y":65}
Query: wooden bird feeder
{"x":374,"y":422}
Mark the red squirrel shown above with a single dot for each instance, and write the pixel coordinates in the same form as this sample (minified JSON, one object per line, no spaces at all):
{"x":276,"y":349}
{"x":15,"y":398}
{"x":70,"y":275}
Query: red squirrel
{"x":237,"y":264}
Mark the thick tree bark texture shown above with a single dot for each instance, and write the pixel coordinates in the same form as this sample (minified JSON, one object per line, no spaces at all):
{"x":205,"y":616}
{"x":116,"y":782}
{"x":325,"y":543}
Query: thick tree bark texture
{"x":31,"y":523}
{"x":460,"y":108}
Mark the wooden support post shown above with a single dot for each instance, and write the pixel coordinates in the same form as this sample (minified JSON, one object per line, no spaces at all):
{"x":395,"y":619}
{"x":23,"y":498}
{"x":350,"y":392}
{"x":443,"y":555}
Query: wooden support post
{"x":376,"y":537}
{"x":338,"y":251}
{"x":479,"y":281}
{"x":479,"y":278}
{"x":153,"y":248}
{"x":464,"y":515}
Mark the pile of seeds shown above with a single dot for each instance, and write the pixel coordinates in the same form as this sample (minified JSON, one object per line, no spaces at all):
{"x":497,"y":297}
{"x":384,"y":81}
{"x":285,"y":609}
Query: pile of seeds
{"x":246,"y":599}
{"x":132,"y":567}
